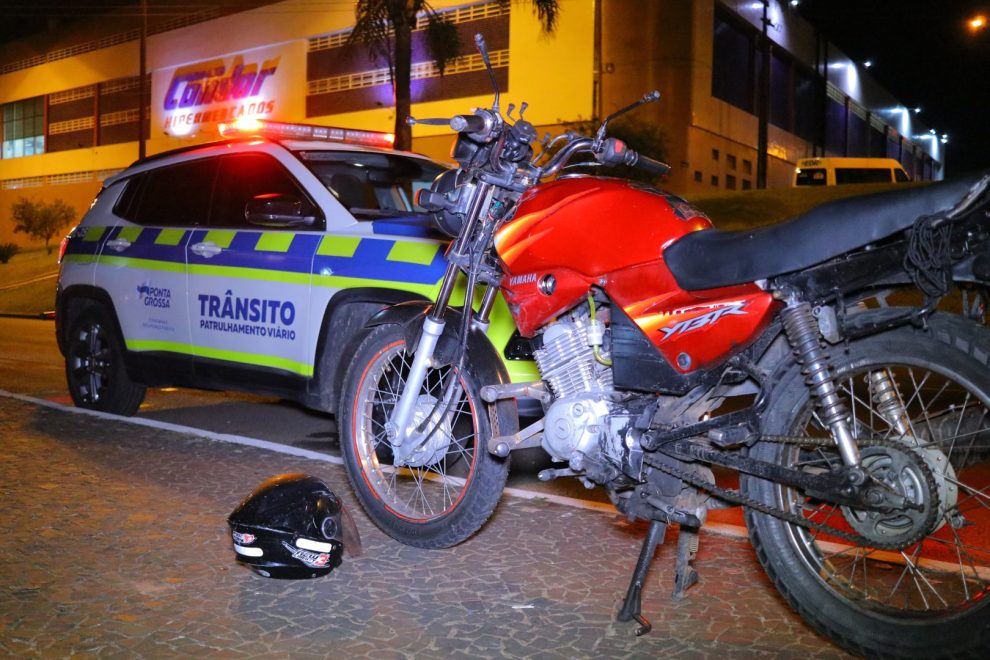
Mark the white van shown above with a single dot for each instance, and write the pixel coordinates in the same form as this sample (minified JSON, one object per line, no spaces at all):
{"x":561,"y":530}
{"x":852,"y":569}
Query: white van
{"x":840,"y":171}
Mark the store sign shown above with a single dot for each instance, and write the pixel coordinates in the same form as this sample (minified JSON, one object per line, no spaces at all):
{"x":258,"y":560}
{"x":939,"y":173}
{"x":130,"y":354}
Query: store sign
{"x":222,"y":89}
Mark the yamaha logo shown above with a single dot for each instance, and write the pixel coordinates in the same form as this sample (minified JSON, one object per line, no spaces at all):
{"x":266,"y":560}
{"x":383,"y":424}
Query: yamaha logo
{"x":518,"y":280}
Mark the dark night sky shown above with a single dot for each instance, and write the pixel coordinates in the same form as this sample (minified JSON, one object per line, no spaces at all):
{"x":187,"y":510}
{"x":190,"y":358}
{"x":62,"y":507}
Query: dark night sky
{"x":924,"y":54}
{"x":921,"y":49}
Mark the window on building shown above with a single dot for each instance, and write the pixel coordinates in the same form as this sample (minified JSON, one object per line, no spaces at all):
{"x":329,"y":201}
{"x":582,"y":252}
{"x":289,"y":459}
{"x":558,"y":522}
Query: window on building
{"x":747,"y":166}
{"x":698,"y":176}
{"x":733,"y":61}
{"x":808,"y":89}
{"x":24,"y":128}
{"x":835,"y":124}
{"x":730,"y":160}
{"x":730,"y":182}
{"x":715,"y":155}
{"x":781,"y":91}
{"x":715,"y":180}
{"x":747,"y":184}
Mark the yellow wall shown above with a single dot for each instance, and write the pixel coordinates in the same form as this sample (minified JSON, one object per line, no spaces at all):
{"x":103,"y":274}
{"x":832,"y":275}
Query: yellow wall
{"x":86,"y":69}
{"x":640,"y":53}
{"x":553,"y":74}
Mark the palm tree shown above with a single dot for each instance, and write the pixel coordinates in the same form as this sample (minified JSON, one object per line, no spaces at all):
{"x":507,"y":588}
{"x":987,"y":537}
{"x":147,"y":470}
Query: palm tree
{"x":384,"y":28}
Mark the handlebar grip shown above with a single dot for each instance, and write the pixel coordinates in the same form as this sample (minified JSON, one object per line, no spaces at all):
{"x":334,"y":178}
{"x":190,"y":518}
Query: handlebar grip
{"x":467,"y":123}
{"x":615,"y":152}
{"x":651,"y":165}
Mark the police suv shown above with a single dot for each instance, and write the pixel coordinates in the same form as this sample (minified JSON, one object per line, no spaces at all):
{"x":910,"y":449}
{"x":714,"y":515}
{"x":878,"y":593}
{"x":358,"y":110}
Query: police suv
{"x":250,"y":264}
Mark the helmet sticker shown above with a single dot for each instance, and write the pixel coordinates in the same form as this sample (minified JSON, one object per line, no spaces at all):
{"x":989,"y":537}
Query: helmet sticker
{"x":243,"y":538}
{"x":311,"y":559}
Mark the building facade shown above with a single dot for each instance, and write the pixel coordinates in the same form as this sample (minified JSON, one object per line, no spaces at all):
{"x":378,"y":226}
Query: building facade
{"x":71,"y":100}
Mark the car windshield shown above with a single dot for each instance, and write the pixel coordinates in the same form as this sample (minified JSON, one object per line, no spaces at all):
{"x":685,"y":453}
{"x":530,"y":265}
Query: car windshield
{"x":373,"y":185}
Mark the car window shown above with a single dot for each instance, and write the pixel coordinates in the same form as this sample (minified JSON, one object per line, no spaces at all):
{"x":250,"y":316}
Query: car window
{"x":171,"y":196}
{"x":901,"y":176}
{"x":245,"y":176}
{"x":862,"y":175}
{"x":811,"y":177}
{"x":373,"y":185}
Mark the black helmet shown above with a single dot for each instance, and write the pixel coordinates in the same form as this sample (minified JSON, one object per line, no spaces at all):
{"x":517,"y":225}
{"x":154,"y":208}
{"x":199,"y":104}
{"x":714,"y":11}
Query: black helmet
{"x":293,"y":526}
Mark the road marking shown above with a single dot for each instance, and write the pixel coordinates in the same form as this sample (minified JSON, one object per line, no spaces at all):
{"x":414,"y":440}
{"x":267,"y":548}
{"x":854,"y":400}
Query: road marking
{"x":40,"y":278}
{"x":600,"y":507}
{"x":178,"y":428}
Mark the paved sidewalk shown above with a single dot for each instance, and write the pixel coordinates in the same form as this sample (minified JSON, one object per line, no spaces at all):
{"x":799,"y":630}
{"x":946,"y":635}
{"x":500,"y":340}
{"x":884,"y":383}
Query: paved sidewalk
{"x":113,"y":541}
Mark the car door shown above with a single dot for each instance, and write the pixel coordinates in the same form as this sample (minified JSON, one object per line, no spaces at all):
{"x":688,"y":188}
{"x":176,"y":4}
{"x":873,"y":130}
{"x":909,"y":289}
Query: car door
{"x":143,"y":263}
{"x":250,"y":285}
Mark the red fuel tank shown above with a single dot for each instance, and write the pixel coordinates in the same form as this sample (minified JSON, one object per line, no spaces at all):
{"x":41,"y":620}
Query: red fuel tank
{"x":572,"y":234}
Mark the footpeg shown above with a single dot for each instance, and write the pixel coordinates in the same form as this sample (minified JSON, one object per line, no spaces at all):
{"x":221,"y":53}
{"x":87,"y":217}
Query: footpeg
{"x":555,"y":473}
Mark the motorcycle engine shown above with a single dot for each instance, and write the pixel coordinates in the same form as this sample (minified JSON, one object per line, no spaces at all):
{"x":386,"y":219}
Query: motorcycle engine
{"x":583,"y":423}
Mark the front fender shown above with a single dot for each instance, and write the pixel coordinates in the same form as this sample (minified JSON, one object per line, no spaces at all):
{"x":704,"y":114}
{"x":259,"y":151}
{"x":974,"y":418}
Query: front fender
{"x":484,"y":359}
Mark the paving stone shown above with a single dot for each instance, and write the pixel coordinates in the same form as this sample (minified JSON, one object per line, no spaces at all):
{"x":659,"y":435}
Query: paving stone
{"x":114,"y":543}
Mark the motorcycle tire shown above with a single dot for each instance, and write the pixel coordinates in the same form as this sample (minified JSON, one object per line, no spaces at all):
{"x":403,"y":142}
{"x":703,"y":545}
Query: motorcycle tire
{"x":446,"y":491}
{"x":930,"y":598}
{"x":94,"y":366}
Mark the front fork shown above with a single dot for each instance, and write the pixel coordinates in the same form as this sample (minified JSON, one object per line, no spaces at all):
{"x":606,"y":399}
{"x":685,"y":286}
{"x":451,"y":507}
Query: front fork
{"x":400,"y":428}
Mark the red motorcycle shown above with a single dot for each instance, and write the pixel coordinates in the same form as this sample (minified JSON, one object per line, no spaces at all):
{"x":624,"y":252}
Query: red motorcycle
{"x":860,"y":431}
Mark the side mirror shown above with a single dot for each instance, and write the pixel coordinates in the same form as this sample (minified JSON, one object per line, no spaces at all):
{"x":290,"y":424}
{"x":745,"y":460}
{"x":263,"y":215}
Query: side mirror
{"x":274,"y":210}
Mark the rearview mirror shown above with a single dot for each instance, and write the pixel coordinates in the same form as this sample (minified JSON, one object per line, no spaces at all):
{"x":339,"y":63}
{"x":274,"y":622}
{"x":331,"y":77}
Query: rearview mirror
{"x":275,"y":210}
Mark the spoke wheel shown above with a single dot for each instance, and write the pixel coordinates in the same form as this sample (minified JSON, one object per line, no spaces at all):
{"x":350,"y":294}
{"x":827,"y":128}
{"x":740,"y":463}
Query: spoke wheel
{"x":440,"y":486}
{"x":94,"y":366}
{"x":925,"y":591}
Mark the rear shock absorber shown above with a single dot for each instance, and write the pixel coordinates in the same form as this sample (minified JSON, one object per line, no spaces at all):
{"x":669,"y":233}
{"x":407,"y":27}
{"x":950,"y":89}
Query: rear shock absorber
{"x":802,"y":331}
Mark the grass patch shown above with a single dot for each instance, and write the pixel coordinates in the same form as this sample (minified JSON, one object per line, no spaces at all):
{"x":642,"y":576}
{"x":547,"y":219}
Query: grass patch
{"x":756,"y":208}
{"x":34,"y":297}
{"x":24,"y":265}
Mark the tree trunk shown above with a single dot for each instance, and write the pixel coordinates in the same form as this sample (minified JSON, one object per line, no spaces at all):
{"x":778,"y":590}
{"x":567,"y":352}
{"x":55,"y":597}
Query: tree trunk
{"x":403,"y":24}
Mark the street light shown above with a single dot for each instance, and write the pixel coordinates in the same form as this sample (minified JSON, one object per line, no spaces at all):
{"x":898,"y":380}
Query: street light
{"x":977,"y":23}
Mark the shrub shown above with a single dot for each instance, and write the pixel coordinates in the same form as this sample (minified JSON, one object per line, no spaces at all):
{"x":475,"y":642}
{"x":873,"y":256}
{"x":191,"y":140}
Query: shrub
{"x":7,"y":250}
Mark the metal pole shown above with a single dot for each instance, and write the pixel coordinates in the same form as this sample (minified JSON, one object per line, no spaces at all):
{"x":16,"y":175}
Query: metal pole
{"x":763,"y":102}
{"x":142,"y":85}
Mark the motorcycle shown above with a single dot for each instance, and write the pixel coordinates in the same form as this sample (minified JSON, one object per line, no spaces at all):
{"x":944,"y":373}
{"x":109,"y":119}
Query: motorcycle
{"x":860,"y":431}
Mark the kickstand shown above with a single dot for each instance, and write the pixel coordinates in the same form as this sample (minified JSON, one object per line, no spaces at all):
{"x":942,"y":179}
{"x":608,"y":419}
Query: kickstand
{"x":633,"y":603}
{"x":687,"y":548}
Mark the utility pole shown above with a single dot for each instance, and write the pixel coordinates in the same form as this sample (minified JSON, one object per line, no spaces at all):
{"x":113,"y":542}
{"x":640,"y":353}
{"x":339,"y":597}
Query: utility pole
{"x":763,"y":101}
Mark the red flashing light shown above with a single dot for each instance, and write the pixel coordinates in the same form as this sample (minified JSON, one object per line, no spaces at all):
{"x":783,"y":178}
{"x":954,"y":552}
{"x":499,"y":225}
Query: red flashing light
{"x":287,"y":131}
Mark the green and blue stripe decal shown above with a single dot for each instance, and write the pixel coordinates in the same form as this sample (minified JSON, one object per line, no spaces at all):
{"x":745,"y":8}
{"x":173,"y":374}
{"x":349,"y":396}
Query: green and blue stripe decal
{"x":279,"y":256}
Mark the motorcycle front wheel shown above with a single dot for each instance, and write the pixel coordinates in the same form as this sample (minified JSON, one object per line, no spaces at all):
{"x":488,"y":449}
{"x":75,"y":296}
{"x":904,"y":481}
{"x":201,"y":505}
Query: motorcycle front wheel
{"x":917,"y":583}
{"x":441,"y":492}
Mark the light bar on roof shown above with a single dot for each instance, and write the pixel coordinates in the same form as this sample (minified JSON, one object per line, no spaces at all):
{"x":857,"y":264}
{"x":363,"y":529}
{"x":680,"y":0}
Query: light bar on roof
{"x":279,"y":130}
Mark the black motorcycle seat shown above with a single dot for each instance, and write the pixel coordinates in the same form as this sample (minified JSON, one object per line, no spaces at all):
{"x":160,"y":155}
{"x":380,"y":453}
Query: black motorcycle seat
{"x":710,"y":259}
